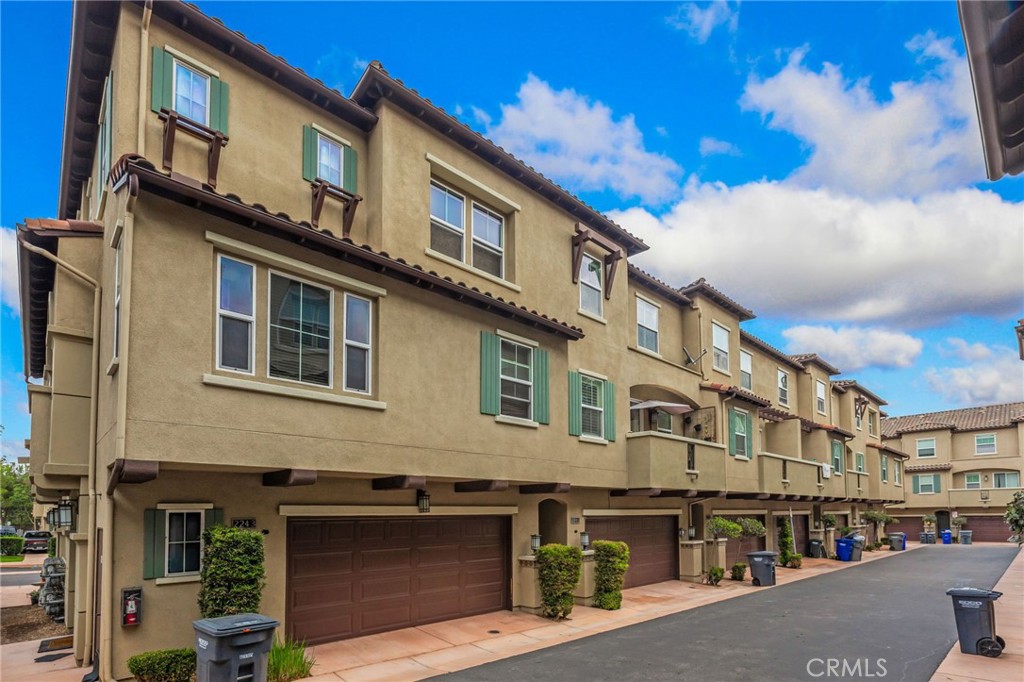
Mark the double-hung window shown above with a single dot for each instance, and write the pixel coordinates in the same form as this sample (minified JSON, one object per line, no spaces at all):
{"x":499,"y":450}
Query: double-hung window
{"x":897,"y":470}
{"x":872,"y":422}
{"x":329,"y":159}
{"x":447,"y":221}
{"x":591,"y":287}
{"x":746,"y":370}
{"x":837,"y":457}
{"x":647,"y":325}
{"x":972,"y":481}
{"x":858,"y":419}
{"x":740,"y":428}
{"x":358,"y":324}
{"x":925,"y":447}
{"x":592,"y":406}
{"x":821,"y":397}
{"x":191,"y":93}
{"x":184,"y":535}
{"x":118,"y":277}
{"x":300,"y":331}
{"x":1006,"y":479}
{"x":885,"y":468}
{"x":236,"y":321}
{"x":516,"y":380}
{"x":859,"y":461}
{"x":488,"y":241}
{"x":926,"y":484}
{"x":783,"y":388}
{"x":985,"y":444}
{"x":720,"y":342}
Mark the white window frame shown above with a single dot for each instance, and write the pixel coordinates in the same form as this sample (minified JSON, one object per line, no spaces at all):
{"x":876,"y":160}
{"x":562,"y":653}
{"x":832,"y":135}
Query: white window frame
{"x":859,"y":463}
{"x":858,"y":419}
{"x":837,"y":469}
{"x":517,"y":380}
{"x":885,"y":468}
{"x":500,"y":250}
{"x":167,"y":540}
{"x":641,"y":301}
{"x":1004,"y":474}
{"x":782,"y":377}
{"x":174,"y":87}
{"x":921,"y":482}
{"x":118,"y":287}
{"x":657,"y":422}
{"x":975,"y":484}
{"x":583,"y":406}
{"x":897,"y":472}
{"x":741,"y":453}
{"x":444,"y":224}
{"x":746,"y":369}
{"x":251,"y":319}
{"x":584,"y":265}
{"x":341,"y":157}
{"x":934,"y":448}
{"x":330,"y":340}
{"x":717,"y":351}
{"x":977,"y":450}
{"x":368,"y":347}
{"x":822,"y":402}
{"x":872,"y":422}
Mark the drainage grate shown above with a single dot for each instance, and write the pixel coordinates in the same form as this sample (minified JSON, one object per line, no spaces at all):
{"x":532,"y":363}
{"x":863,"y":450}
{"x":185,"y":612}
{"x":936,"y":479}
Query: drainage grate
{"x":494,"y":632}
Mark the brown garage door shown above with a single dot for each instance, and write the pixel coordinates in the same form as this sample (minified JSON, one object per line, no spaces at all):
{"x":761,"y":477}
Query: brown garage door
{"x":913,"y":526}
{"x":988,"y":529}
{"x":653,"y":545}
{"x":801,"y":532}
{"x":350,"y":577}
{"x":736,"y":548}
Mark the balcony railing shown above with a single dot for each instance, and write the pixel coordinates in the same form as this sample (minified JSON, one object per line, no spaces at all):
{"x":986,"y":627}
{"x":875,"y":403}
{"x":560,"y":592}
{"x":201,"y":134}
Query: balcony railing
{"x":857,"y":484}
{"x":981,"y":497}
{"x":668,"y":462}
{"x":788,"y":475}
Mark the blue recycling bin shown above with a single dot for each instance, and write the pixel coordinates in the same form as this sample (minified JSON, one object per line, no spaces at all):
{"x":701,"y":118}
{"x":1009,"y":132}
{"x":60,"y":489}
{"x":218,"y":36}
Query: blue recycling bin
{"x":844,"y":549}
{"x":947,"y":537}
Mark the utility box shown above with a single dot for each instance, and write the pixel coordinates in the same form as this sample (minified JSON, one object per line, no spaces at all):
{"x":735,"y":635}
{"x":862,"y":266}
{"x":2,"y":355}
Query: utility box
{"x":233,"y":648}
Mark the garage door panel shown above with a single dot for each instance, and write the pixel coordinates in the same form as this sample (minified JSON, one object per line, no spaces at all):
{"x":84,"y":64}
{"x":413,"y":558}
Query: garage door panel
{"x":653,"y":545}
{"x":441,"y":555}
{"x":397,"y":558}
{"x":477,"y":552}
{"x":315,"y":597}
{"x":312,"y":629}
{"x":399,"y":586}
{"x":988,"y":529}
{"x":338,"y":531}
{"x":385,"y":617}
{"x":305,"y":533}
{"x":329,"y":564}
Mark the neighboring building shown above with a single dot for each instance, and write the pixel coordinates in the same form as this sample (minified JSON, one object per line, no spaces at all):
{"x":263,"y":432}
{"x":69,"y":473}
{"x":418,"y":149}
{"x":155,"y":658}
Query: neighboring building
{"x":965,"y":462}
{"x":231,"y":326}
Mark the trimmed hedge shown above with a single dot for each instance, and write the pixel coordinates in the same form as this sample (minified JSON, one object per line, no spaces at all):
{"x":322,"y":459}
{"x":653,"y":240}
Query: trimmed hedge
{"x":232,"y":577}
{"x":559,"y":567}
{"x":164,"y":665}
{"x":51,"y":546}
{"x":714,"y":575}
{"x":738,"y":571}
{"x":612,"y":562}
{"x":12,"y":545}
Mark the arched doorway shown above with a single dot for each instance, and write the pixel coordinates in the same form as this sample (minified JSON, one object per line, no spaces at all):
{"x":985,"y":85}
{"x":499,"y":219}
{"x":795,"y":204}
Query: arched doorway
{"x":552,"y":522}
{"x":941,"y":520}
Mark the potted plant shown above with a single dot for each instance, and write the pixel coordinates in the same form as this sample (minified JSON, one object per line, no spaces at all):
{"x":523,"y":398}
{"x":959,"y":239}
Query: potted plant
{"x":956,"y":524}
{"x":929,"y":522}
{"x":738,"y":571}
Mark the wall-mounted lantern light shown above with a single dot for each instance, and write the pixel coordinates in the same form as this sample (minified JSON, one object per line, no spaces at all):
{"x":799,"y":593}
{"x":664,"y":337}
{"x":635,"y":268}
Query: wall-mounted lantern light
{"x":423,"y":501}
{"x":534,"y":542}
{"x":65,"y":513}
{"x":585,"y":539}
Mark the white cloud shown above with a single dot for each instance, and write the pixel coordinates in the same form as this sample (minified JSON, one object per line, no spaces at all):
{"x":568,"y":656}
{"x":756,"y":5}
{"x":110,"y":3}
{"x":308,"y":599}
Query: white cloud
{"x":581,"y":143}
{"x":701,"y":21}
{"x":809,"y":254}
{"x":964,"y":350}
{"x":854,"y":348}
{"x":711,"y":145}
{"x":9,"y":270}
{"x":998,"y":378}
{"x":923,"y":138}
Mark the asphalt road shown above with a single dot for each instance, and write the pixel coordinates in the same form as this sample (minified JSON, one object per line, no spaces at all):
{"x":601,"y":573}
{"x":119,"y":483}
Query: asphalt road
{"x":895,"y":609}
{"x":19,"y":576}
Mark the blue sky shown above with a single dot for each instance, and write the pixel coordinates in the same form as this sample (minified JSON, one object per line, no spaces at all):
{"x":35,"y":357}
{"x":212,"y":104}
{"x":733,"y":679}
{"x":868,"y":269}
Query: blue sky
{"x":819,"y":162}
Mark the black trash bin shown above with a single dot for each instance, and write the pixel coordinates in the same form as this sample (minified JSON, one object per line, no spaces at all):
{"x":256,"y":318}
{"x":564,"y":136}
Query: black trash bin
{"x":898,"y":541}
{"x":858,"y":545}
{"x":233,"y":648}
{"x":762,"y":568}
{"x":976,"y":621}
{"x":816,"y":549}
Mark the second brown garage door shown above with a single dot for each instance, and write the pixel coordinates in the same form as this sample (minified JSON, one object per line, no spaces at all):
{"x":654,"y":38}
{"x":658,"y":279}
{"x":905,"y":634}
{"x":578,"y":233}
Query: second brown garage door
{"x":801,"y":532}
{"x":988,"y":529}
{"x":351,"y":577}
{"x":911,"y":525}
{"x":653,"y":545}
{"x":736,"y":548}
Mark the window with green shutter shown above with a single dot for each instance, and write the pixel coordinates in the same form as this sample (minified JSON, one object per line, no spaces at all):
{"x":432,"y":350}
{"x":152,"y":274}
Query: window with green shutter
{"x":837,"y":457}
{"x":925,"y":484}
{"x":328,"y":158}
{"x":172,"y":540}
{"x":591,"y":406}
{"x":740,"y":433}
{"x":184,"y":88}
{"x":513,"y":379}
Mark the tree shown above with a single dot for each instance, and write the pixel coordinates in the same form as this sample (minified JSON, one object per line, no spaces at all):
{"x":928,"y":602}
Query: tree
{"x":1015,"y":516}
{"x":719,"y":527}
{"x":15,"y":494}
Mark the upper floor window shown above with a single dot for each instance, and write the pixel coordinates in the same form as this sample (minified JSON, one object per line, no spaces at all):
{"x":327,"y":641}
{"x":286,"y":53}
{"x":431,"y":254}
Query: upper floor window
{"x":897,"y":471}
{"x":299,"y":347}
{"x":236,"y":317}
{"x":1006,"y":479}
{"x":720,"y":342}
{"x":193,"y":90}
{"x":592,"y":405}
{"x":885,"y":468}
{"x":927,"y":484}
{"x":191,"y":93}
{"x":783,"y":388}
{"x":872,"y":422}
{"x":591,"y":287}
{"x":358,"y":325}
{"x":858,"y":419}
{"x":488,"y":241}
{"x":740,"y":433}
{"x":837,"y":457}
{"x":104,"y":141}
{"x":447,"y":217}
{"x":646,"y":324}
{"x":972,"y":481}
{"x":746,"y":370}
{"x":925,"y":447}
{"x":859,"y":460}
{"x":328,"y":159}
{"x":663,"y":421}
{"x":985,"y":444}
{"x":516,"y":380}
{"x":821,"y":397}
{"x":448,"y":230}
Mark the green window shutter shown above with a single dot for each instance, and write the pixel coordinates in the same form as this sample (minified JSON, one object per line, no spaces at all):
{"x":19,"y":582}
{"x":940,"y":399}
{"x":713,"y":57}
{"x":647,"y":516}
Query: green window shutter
{"x":154,"y":525}
{"x":732,"y":432}
{"x":490,"y":380}
{"x":541,"y":392}
{"x":750,"y":434}
{"x":309,"y":155}
{"x":213,"y":517}
{"x":938,"y":482}
{"x":609,"y":411}
{"x":917,"y":484}
{"x":218,"y":105}
{"x":349,"y":160}
{"x":575,"y":404}
{"x":161,"y":88}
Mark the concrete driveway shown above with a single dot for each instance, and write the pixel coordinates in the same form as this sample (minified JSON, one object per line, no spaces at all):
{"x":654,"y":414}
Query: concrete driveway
{"x":890,"y":618}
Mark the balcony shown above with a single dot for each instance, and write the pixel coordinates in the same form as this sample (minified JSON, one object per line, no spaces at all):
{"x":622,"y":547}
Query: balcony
{"x":857,"y":484}
{"x":988,"y":498}
{"x":886,"y":491}
{"x":668,"y":462}
{"x":788,"y":475}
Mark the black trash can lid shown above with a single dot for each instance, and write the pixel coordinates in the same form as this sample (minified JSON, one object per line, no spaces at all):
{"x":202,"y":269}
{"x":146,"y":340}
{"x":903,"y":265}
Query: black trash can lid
{"x":225,"y":626}
{"x":975,"y":592}
{"x":763,"y":553}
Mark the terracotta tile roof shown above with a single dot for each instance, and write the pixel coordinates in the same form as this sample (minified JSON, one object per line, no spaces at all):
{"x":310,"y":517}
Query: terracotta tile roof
{"x":61,"y":227}
{"x":769,"y":349}
{"x":653,"y":283}
{"x":965,"y":419}
{"x":811,"y":425}
{"x":814,"y":358}
{"x":774,"y":414}
{"x":846,"y":384}
{"x":230,"y":206}
{"x":740,"y":393}
{"x":938,"y":466}
{"x":702,"y":288}
{"x":890,"y":450}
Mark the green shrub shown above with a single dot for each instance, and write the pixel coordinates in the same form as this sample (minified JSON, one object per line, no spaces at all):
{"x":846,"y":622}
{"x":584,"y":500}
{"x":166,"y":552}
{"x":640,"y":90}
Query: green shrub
{"x":829,"y":520}
{"x":164,"y":665}
{"x":232,"y":577}
{"x":720,"y":527}
{"x":739,"y":571}
{"x":12,"y":545}
{"x":559,"y":568}
{"x":752,"y":528}
{"x":1014,"y":517}
{"x":795,"y":560}
{"x":288,"y":661}
{"x":611,"y":563}
{"x":714,"y":575}
{"x":51,"y":546}
{"x":844,"y":531}
{"x":785,"y":541}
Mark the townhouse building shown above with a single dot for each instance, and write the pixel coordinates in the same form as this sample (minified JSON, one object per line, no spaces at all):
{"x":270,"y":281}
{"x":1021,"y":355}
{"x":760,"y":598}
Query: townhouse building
{"x":361,"y":328}
{"x":963,"y":463}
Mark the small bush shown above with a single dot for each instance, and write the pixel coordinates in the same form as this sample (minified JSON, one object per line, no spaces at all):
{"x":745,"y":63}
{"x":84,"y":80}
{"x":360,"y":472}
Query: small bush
{"x":795,"y":560}
{"x":829,"y":520}
{"x":51,"y":546}
{"x":720,"y":527}
{"x":844,"y":531}
{"x":785,"y":541}
{"x":739,"y":571}
{"x":869,"y":548}
{"x":232,"y":577}
{"x":612,"y":562}
{"x":886,"y":541}
{"x":559,"y":567}
{"x":288,"y":661}
{"x":12,"y":545}
{"x":714,"y":575}
{"x":164,"y":665}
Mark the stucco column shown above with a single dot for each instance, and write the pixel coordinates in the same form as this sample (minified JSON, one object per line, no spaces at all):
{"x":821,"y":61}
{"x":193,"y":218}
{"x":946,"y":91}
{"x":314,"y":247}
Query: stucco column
{"x":584,"y":592}
{"x":529,"y":584}
{"x":691,"y":560}
{"x":714,"y":554}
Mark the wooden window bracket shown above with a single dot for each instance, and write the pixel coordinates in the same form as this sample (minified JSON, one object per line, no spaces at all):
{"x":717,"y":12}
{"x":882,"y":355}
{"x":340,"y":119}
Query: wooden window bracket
{"x":615,"y":253}
{"x":323,"y":189}
{"x":214,"y":139}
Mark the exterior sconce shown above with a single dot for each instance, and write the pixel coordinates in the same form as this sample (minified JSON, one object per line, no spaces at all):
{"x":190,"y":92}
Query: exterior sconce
{"x":534,"y":542}
{"x":584,"y":540}
{"x":691,"y":532}
{"x":65,"y":513}
{"x":423,"y":501}
{"x":51,"y":517}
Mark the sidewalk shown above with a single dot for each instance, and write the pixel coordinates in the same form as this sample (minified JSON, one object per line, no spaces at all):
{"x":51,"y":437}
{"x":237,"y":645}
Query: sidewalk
{"x":428,"y":650}
{"x":30,"y":561}
{"x":961,"y":667}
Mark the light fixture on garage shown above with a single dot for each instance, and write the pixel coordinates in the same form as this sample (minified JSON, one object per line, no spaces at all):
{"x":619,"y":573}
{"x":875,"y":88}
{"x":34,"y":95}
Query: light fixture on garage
{"x":584,"y":540}
{"x":423,"y":501}
{"x":534,"y":542}
{"x":65,"y":513}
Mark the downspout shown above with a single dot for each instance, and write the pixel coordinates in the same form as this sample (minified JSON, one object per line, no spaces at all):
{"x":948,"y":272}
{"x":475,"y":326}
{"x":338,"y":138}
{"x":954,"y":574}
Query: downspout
{"x":700,"y":337}
{"x":147,"y":14}
{"x":90,"y":605}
